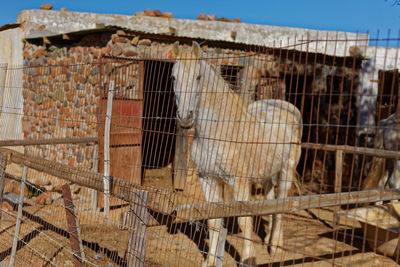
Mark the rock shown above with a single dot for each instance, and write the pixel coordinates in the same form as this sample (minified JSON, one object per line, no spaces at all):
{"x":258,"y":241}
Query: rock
{"x":135,"y":40}
{"x":150,"y":13}
{"x":98,"y":256}
{"x":146,"y":42}
{"x":224,"y":19}
{"x":115,"y":38}
{"x":157,"y":12}
{"x":6,"y":206}
{"x":55,"y":195}
{"x":63,"y":9}
{"x":139,"y":14}
{"x":121,"y":32}
{"x":43,"y":198}
{"x":68,"y":263}
{"x":168,"y":15}
{"x":202,"y":16}
{"x":116,"y":50}
{"x":109,"y":264}
{"x":46,"y":7}
{"x":130,"y":52}
{"x":212,"y":17}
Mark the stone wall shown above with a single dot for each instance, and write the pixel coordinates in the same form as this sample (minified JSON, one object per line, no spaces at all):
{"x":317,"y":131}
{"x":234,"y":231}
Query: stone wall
{"x":63,"y":85}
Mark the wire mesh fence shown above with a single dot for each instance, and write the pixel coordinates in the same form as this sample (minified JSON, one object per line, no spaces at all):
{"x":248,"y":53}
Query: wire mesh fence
{"x":188,"y":153}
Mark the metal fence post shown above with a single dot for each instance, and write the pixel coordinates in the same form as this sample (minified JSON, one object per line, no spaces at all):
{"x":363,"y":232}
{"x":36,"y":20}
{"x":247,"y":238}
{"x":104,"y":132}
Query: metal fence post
{"x":3,"y":163}
{"x":107,"y":126}
{"x":19,"y":216}
{"x":93,"y":192}
{"x":221,"y":247}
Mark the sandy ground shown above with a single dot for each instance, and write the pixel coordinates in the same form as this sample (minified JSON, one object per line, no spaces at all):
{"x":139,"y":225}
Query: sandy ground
{"x":309,"y":238}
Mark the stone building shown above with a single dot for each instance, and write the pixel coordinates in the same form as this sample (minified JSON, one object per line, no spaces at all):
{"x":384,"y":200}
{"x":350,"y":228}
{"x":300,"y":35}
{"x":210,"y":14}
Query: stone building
{"x":69,"y":58}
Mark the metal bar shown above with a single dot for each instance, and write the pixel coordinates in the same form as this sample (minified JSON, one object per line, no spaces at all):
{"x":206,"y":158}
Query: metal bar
{"x":48,"y":141}
{"x":19,"y":216}
{"x":221,"y":247}
{"x":3,"y":163}
{"x":93,"y":192}
{"x":137,"y":229}
{"x":76,"y":242}
{"x":107,"y":170}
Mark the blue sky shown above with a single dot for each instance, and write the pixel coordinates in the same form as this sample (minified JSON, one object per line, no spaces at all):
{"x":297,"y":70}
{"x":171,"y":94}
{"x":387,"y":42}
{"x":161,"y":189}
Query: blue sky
{"x":344,"y":15}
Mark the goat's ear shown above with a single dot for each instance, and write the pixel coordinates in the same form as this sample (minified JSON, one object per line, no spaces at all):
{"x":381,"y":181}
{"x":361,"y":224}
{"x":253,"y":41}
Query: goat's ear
{"x":196,"y":49}
{"x":176,"y":49}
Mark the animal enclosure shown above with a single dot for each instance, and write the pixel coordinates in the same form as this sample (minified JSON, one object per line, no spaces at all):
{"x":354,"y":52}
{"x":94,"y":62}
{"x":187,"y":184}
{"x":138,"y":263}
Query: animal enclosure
{"x":184,"y":154}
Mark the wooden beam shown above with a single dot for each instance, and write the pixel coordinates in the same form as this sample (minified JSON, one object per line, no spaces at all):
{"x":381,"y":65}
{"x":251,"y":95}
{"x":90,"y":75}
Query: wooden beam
{"x":197,"y":212}
{"x":338,"y":170}
{"x":161,"y":200}
{"x":355,"y":150}
{"x":55,"y":141}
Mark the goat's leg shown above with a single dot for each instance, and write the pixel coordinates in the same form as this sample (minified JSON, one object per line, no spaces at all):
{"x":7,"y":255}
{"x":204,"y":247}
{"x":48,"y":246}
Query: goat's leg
{"x":269,"y":187}
{"x":212,"y":193}
{"x":241,"y":192}
{"x":287,"y":177}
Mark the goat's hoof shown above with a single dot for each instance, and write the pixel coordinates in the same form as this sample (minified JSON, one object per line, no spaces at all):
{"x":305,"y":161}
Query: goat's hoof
{"x":251,"y":262}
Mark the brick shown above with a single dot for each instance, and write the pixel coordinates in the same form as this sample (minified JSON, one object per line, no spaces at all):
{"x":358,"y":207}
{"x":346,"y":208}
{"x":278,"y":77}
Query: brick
{"x":168,"y":15}
{"x":202,"y":16}
{"x":148,"y":12}
{"x":157,"y":12}
{"x":46,"y":7}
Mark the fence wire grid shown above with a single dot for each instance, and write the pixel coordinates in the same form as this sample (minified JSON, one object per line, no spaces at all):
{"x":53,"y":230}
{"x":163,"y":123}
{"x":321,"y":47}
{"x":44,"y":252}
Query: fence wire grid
{"x":188,"y":154}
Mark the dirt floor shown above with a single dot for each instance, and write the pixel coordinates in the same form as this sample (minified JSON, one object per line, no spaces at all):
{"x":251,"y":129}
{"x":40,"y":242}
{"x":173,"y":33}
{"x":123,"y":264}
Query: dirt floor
{"x":309,"y":236}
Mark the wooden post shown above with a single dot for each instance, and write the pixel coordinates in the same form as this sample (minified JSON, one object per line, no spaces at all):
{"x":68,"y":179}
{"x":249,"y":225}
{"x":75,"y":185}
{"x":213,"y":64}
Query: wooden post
{"x":107,"y":168}
{"x":137,"y":229}
{"x":73,"y":226}
{"x":221,"y":247}
{"x":338,"y":170}
{"x":3,"y":163}
{"x":181,"y":158}
{"x":19,"y":216}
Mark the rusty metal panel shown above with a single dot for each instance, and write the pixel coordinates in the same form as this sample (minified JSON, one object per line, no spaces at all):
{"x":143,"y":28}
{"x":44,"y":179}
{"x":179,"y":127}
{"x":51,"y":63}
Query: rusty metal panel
{"x":126,"y":122}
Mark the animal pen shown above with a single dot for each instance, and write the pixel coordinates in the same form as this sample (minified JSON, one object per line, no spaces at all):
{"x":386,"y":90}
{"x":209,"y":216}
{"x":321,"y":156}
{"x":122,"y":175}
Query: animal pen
{"x":107,"y":174}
